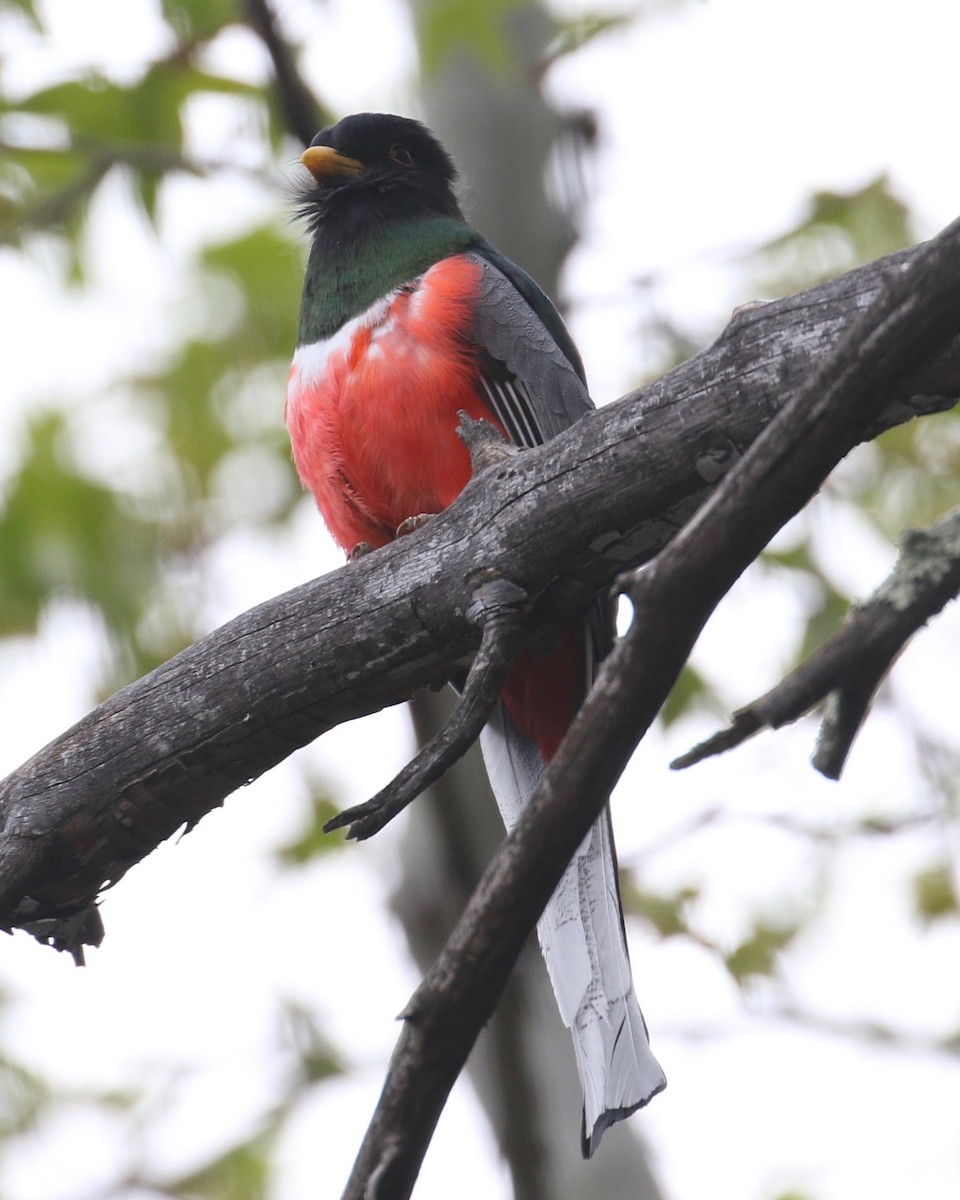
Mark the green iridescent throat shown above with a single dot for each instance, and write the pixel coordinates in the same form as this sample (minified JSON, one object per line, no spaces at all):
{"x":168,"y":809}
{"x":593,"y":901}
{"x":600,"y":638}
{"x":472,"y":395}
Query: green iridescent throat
{"x":344,"y":279}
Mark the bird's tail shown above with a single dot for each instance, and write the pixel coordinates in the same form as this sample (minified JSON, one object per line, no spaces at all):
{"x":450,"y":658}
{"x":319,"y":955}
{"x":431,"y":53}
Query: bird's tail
{"x":583,"y":943}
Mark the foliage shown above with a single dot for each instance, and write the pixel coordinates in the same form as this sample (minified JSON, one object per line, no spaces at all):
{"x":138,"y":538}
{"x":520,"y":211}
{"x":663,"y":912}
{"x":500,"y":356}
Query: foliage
{"x":311,"y":842}
{"x":199,"y":405}
{"x":935,"y":893}
{"x":907,"y":477}
{"x":210,"y":399}
{"x":446,"y":27}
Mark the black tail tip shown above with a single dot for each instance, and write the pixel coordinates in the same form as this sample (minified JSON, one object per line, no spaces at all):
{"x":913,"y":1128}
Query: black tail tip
{"x":610,"y":1116}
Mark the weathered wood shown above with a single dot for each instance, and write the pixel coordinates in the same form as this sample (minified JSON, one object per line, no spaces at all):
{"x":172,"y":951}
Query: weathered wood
{"x":912,"y":317}
{"x":559,"y":523}
{"x":848,"y":668}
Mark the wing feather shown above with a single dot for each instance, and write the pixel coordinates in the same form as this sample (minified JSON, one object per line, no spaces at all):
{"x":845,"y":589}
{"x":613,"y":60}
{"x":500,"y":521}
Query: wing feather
{"x":542,"y":388}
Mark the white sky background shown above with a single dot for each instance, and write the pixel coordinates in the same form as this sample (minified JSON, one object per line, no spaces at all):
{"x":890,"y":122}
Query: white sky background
{"x":718,"y":121}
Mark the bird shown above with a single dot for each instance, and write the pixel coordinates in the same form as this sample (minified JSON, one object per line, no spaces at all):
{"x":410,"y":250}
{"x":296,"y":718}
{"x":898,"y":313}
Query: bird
{"x":408,"y":318}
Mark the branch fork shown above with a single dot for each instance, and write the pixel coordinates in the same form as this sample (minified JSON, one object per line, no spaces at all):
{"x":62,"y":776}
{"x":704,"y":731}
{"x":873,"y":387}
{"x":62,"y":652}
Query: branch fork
{"x":170,"y":747}
{"x":847,"y":670}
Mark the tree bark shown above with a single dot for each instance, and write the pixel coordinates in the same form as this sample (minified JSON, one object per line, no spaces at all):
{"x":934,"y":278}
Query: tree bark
{"x":848,"y":668}
{"x":914,"y":314}
{"x":506,"y":136}
{"x":558,"y":523}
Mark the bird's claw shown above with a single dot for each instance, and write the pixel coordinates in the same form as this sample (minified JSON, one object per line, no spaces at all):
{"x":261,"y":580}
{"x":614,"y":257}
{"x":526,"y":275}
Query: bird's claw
{"x":412,"y":524}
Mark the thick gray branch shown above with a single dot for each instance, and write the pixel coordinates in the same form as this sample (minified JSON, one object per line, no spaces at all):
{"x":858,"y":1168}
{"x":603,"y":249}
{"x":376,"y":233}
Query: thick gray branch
{"x":559,"y":523}
{"x":914,"y":314}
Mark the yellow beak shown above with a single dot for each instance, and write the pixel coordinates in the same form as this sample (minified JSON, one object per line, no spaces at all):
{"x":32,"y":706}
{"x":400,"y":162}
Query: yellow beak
{"x":324,"y":161}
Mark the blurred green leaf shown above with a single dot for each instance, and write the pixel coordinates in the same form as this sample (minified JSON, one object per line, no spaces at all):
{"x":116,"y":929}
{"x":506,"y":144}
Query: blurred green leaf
{"x":841,"y":230}
{"x":450,"y":27}
{"x":28,"y":7}
{"x":101,"y":114}
{"x":825,"y":618}
{"x":269,"y":268}
{"x":757,"y":954}
{"x":795,"y":558}
{"x":92,"y":108}
{"x":60,"y":534}
{"x":196,"y":20}
{"x":935,"y":894}
{"x":667,"y":913}
{"x":876,"y":221}
{"x":917,"y":475}
{"x":194,"y":428}
{"x":23,"y":1097}
{"x":32,"y":203}
{"x":318,"y":1059}
{"x":241,"y":1173}
{"x":140,"y":126}
{"x":313,"y":842}
{"x":576,"y":32}
{"x":39,"y":168}
{"x":689,"y":688}
{"x":29,"y":10}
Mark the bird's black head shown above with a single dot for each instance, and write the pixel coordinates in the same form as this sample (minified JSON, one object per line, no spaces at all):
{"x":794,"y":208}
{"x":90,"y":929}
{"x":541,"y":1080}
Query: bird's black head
{"x":387,"y":165}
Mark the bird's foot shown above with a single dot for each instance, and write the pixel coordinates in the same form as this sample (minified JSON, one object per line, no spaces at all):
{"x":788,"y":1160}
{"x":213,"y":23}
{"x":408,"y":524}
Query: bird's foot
{"x":360,"y":550}
{"x":412,"y":524}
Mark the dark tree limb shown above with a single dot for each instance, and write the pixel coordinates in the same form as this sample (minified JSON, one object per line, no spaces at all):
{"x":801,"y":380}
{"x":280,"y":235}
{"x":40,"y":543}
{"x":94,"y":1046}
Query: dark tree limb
{"x":497,"y":609}
{"x":298,"y":107}
{"x":912,"y":317}
{"x":559,"y":522}
{"x":849,"y":667}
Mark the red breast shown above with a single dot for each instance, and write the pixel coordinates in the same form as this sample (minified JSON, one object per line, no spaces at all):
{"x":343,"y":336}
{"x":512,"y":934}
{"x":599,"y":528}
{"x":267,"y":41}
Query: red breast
{"x":372,"y":411}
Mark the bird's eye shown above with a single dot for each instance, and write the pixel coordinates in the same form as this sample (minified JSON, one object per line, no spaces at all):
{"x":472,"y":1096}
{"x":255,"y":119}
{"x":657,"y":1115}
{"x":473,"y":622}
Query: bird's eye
{"x":401,"y":156}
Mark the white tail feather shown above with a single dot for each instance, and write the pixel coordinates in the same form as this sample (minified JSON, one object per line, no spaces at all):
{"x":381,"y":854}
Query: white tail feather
{"x":581,"y":937}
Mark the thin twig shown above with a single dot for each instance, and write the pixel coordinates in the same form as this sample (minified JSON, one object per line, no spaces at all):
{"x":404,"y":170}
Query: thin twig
{"x":848,"y":668}
{"x":301,"y":113}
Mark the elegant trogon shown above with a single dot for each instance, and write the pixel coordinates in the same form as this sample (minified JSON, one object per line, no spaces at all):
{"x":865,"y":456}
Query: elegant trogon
{"x":408,"y":317}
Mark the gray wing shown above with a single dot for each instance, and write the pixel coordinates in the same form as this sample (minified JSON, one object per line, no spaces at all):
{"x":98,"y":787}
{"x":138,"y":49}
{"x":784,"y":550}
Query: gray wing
{"x":531,"y":374}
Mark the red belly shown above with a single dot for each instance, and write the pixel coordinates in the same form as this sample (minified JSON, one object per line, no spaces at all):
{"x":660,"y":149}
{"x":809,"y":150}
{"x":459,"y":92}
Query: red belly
{"x":374,"y":432}
{"x":373,"y":415}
